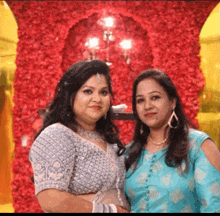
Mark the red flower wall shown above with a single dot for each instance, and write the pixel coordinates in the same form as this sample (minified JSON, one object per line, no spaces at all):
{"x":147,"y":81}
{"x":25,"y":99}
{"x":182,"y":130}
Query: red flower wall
{"x":52,"y":35}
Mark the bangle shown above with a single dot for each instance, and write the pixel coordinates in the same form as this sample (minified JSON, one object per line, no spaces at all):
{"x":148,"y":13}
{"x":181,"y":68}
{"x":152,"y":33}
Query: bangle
{"x":97,"y":207}
{"x":101,"y":208}
{"x":113,"y":208}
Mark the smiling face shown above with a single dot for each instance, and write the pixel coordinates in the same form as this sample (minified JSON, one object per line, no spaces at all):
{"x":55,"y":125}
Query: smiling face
{"x":153,"y":106}
{"x":92,"y":101}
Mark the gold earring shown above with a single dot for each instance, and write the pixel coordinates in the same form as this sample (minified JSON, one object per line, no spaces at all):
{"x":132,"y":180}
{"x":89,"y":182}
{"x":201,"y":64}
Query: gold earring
{"x":171,"y":119}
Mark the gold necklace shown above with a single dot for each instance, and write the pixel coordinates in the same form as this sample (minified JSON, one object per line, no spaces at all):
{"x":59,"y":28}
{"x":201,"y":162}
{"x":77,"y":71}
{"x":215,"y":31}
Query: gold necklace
{"x":158,"y":144}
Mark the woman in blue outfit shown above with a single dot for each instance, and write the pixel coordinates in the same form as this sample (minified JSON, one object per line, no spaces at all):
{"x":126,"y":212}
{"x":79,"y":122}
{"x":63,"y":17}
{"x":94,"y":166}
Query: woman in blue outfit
{"x":170,"y":167}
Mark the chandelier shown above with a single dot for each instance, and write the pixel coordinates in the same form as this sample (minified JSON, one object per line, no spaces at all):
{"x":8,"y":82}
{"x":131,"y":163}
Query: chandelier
{"x":92,"y":43}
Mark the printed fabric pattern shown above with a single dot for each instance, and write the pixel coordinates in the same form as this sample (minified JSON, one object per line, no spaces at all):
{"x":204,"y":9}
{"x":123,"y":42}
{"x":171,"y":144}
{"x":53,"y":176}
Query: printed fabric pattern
{"x":155,"y":187}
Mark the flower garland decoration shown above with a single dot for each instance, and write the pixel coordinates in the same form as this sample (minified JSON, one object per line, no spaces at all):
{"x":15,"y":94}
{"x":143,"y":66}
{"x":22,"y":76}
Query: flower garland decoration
{"x":52,"y":37}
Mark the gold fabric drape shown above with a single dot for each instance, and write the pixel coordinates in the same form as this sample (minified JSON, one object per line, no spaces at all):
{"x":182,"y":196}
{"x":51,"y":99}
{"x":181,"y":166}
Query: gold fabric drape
{"x":8,"y":45}
{"x":209,"y":113}
{"x":6,"y":145}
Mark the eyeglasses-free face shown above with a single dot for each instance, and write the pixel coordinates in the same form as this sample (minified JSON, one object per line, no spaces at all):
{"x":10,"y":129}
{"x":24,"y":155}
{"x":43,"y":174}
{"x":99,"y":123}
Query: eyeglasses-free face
{"x":153,"y":106}
{"x":92,"y":101}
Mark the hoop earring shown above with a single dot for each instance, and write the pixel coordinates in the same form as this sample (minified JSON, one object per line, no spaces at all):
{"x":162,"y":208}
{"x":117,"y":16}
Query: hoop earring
{"x":141,"y":129}
{"x":171,"y":118}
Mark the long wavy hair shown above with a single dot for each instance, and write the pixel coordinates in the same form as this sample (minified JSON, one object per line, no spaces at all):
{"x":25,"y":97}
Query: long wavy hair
{"x":178,"y":138}
{"x":61,"y":108}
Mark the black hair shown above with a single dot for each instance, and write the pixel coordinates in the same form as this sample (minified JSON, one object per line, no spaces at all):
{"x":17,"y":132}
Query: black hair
{"x":60,"y":109}
{"x":178,"y":138}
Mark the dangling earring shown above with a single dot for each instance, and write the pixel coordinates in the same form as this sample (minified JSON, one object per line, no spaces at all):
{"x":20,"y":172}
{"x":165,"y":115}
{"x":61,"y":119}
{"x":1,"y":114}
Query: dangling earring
{"x":141,"y":130}
{"x":105,"y":116}
{"x":171,"y":119}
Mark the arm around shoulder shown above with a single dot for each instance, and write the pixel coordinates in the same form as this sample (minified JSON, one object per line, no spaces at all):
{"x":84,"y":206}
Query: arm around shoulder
{"x":212,"y":153}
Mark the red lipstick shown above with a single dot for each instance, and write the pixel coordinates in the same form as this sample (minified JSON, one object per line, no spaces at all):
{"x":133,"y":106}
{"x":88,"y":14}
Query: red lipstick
{"x":96,"y":107}
{"x":149,"y":114}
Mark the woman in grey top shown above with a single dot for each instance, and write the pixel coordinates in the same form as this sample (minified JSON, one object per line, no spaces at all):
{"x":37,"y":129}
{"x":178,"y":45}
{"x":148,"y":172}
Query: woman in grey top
{"x":76,"y":156}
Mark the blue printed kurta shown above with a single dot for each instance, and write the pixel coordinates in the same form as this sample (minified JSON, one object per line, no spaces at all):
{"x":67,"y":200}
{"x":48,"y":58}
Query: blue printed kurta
{"x":155,"y":187}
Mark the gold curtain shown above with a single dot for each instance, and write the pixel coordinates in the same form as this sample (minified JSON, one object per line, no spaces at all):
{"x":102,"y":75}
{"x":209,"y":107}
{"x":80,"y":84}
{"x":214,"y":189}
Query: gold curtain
{"x":8,"y":45}
{"x":209,"y":113}
{"x":6,"y":147}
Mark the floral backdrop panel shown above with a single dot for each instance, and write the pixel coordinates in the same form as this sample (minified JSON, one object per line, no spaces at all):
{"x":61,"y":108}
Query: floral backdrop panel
{"x":52,"y":36}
